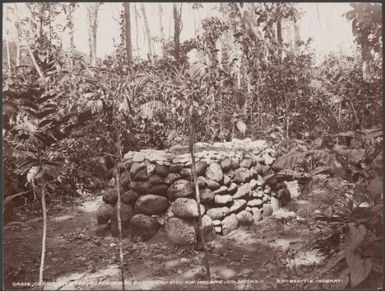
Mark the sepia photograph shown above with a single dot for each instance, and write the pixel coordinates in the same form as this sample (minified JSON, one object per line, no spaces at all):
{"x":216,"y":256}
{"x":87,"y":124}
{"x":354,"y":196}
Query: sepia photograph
{"x":192,"y":145}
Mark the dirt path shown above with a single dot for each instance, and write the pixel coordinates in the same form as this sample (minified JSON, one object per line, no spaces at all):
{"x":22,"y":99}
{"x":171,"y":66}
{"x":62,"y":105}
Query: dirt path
{"x":254,"y":258}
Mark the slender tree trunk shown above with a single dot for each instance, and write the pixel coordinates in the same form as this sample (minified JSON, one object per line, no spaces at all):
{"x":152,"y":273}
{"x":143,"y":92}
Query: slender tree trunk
{"x":147,"y":28}
{"x":127,"y":31}
{"x":8,"y":58}
{"x":160,"y":11}
{"x":92,"y":10}
{"x":177,"y":29}
{"x":136,"y":30}
{"x":43,"y":240}
{"x":118,"y":208}
{"x":279,"y":38}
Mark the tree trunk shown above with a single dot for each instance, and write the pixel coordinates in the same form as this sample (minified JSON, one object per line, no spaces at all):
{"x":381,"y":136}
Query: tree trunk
{"x":127,"y":31}
{"x":279,"y":38}
{"x":147,"y":28}
{"x":197,"y":195}
{"x":160,"y":11}
{"x":44,"y":239}
{"x":177,"y":30}
{"x":136,"y":30}
{"x":92,"y":11}
{"x":118,"y":206}
{"x":8,"y":58}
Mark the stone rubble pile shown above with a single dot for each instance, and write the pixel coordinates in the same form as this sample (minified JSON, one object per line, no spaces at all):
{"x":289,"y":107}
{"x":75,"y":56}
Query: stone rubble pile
{"x":157,"y":191}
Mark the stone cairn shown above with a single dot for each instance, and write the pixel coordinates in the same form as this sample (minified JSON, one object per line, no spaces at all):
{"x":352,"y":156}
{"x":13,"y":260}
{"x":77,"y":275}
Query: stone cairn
{"x":157,"y":191}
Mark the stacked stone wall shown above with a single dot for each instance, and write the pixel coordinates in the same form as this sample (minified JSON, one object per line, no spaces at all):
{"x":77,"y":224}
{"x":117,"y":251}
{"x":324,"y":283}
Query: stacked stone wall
{"x":157,"y":191}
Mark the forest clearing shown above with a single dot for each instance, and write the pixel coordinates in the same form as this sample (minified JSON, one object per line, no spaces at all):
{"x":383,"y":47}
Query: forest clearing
{"x":168,"y":146}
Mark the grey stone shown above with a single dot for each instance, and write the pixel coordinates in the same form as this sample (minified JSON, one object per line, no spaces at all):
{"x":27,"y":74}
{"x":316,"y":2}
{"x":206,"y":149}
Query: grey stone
{"x":155,"y":179}
{"x":222,"y":199}
{"x":212,"y":185}
{"x":201,"y":167}
{"x":176,"y":168}
{"x":267,"y":210}
{"x":243,"y":191}
{"x":217,"y":213}
{"x":246,"y":163}
{"x":214,"y":172}
{"x":238,"y":205}
{"x":151,"y":204}
{"x":254,"y":202}
{"x":129,"y":196}
{"x":206,"y":196}
{"x":162,"y":170}
{"x":226,"y":180}
{"x":226,"y":165}
{"x":171,"y":178}
{"x":180,"y":231}
{"x":147,"y":188}
{"x":136,"y":167}
{"x":245,"y":218}
{"x":142,"y":227}
{"x":141,"y":175}
{"x":180,"y":188}
{"x":234,"y":163}
{"x":221,"y":190}
{"x":104,"y":213}
{"x":186,"y":208}
{"x":229,"y":224}
{"x":232,"y":188}
{"x":241,"y":175}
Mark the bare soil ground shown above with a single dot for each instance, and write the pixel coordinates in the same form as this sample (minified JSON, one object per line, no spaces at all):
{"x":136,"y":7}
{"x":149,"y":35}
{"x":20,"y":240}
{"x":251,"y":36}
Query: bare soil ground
{"x":266,"y":256}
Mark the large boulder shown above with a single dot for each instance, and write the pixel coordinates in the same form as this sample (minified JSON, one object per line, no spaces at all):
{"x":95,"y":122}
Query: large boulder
{"x":229,"y":224}
{"x":104,"y":213}
{"x":223,"y":199}
{"x":212,"y":185}
{"x":234,"y":163}
{"x":232,"y":188}
{"x":226,"y":165}
{"x":180,"y":231}
{"x":110,"y":196}
{"x":180,"y":188}
{"x":267,"y":210}
{"x":206,"y":196}
{"x":156,"y":179}
{"x":186,"y":208}
{"x":255,"y":203}
{"x":214,"y":172}
{"x":218,"y":212}
{"x":175,"y":168}
{"x":171,"y":178}
{"x":142,"y":227}
{"x":162,"y":170}
{"x":246,"y":163}
{"x":243,"y":191}
{"x":136,"y":167}
{"x":129,"y":196}
{"x":245,"y":218}
{"x":221,"y":190}
{"x":237,"y":205}
{"x":126,"y":213}
{"x":201,"y":167}
{"x":147,"y":188}
{"x":151,"y":204}
{"x":241,"y":175}
{"x":226,"y":180}
{"x":141,"y":175}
